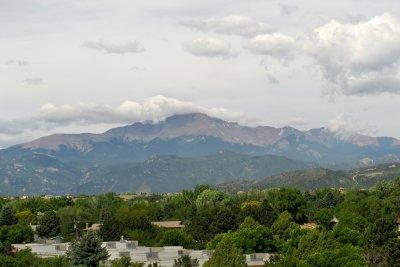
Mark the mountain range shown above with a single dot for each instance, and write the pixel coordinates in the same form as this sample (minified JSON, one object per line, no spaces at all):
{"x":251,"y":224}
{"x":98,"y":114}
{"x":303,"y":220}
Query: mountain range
{"x":153,"y":156}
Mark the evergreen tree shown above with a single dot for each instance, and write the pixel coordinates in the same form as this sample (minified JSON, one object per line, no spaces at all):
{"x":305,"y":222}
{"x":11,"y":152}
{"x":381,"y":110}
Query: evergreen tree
{"x":87,"y":251}
{"x":7,"y":216}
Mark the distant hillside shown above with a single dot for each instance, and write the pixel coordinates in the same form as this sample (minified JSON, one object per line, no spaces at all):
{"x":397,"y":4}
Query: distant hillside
{"x":319,"y":178}
{"x":43,"y":174}
{"x":37,"y":174}
{"x":172,"y":173}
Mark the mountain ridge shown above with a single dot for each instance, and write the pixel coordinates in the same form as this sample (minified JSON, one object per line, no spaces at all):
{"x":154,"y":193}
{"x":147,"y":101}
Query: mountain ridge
{"x":319,"y":144}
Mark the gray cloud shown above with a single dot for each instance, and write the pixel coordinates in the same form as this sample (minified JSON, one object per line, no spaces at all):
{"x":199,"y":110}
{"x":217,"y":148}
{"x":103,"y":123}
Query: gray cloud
{"x":114,"y":47}
{"x":19,"y":63}
{"x":359,"y":58}
{"x":208,"y":47}
{"x":230,"y":25}
{"x":34,"y":81}
{"x":288,"y":9}
{"x":272,"y":79}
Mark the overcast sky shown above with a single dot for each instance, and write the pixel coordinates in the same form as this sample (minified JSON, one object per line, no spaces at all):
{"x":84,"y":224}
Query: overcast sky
{"x":88,"y":65}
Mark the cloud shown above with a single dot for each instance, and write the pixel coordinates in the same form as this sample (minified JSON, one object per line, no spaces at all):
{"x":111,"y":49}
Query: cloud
{"x":18,"y":63}
{"x":230,"y":25}
{"x":359,"y":58}
{"x":274,"y":45}
{"x":272,"y":79}
{"x":34,"y":81}
{"x":288,"y":9}
{"x":297,"y":121}
{"x":347,"y":128}
{"x":208,"y":47}
{"x":115,"y":47}
{"x":156,"y":108}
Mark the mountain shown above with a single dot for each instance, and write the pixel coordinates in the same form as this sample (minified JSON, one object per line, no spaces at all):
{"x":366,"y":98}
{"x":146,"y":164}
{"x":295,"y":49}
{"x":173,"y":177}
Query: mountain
{"x":197,"y":134}
{"x":44,"y":174}
{"x":319,"y":178}
{"x":155,"y":156}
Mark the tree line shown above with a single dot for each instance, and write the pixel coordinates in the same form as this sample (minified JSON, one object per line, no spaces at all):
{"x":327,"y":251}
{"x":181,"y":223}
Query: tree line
{"x":355,"y":227}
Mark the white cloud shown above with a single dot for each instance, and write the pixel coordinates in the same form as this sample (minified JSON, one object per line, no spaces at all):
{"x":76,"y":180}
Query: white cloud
{"x":208,"y":47}
{"x":113,"y":47}
{"x":348,"y":128}
{"x":230,"y":25}
{"x":156,"y":108}
{"x":359,"y":58}
{"x":34,"y":81}
{"x":275,"y":45}
{"x":298,"y":121}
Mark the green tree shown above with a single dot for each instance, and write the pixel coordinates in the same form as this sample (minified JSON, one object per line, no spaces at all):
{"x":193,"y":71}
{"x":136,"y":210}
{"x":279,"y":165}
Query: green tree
{"x":49,"y":224}
{"x":323,"y":217}
{"x":186,"y":261}
{"x":25,"y":216}
{"x":73,"y":220}
{"x":209,"y":198}
{"x":226,"y":254}
{"x":16,"y":234}
{"x":177,"y":238}
{"x":7,"y":216}
{"x":251,"y":237}
{"x":122,"y":262}
{"x":288,"y":199}
{"x":110,"y":228}
{"x":87,"y":251}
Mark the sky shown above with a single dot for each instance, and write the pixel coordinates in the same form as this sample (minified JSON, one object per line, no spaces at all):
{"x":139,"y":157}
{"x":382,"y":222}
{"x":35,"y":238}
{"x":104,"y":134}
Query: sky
{"x":88,"y":65}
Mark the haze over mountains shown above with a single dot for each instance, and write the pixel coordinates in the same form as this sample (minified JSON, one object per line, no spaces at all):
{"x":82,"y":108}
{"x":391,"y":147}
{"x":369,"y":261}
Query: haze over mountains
{"x":130,"y":158}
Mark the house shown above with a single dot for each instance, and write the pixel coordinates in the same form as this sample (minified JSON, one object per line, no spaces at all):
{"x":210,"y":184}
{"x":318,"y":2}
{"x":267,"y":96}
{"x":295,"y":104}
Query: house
{"x":398,"y":223}
{"x":334,"y":221}
{"x":169,"y":224}
{"x":309,"y":226}
{"x":163,"y":256}
{"x":93,"y":228}
{"x":258,"y":259}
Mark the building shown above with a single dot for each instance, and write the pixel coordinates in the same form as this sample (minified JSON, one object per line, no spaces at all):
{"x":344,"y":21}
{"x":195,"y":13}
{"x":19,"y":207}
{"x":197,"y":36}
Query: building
{"x":258,"y":259}
{"x":169,"y":224}
{"x":309,"y":226}
{"x":164,"y":256}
